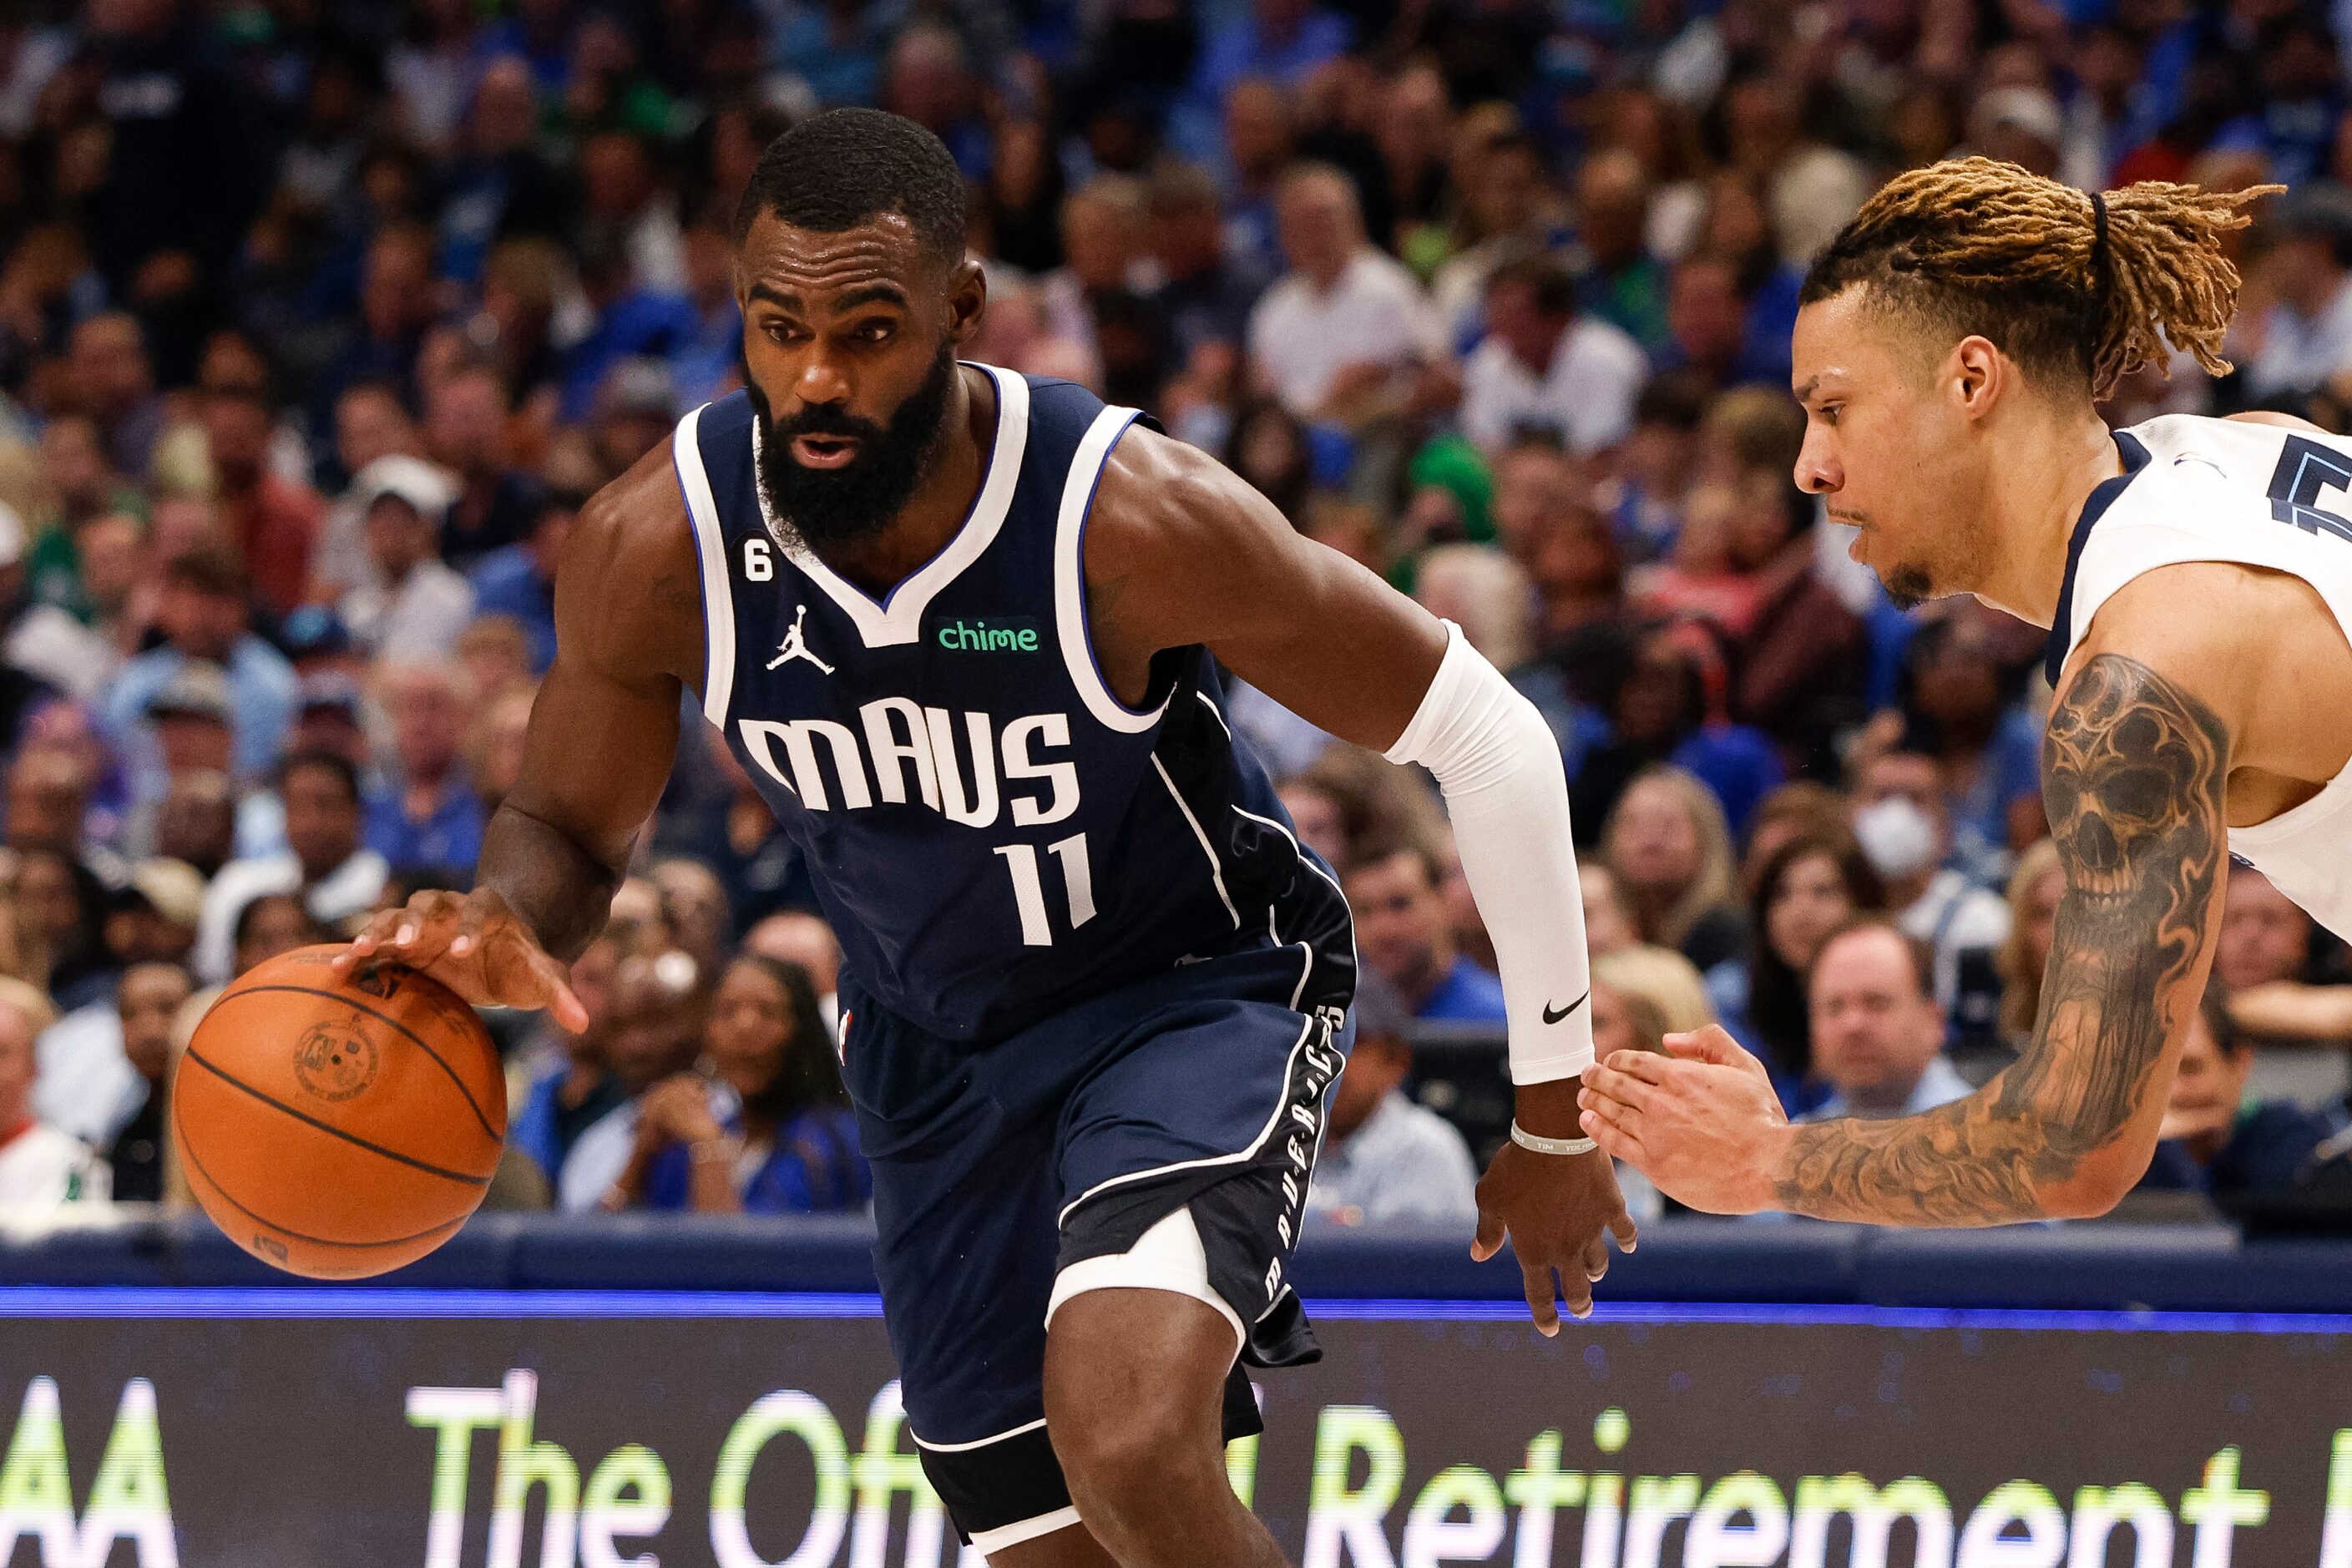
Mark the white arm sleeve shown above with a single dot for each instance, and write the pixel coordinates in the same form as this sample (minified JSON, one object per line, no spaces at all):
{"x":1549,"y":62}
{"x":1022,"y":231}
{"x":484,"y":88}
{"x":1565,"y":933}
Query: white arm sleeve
{"x":1506,"y":791}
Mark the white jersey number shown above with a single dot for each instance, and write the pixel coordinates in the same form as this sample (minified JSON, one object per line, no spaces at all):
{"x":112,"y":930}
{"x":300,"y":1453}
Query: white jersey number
{"x":1029,"y":886}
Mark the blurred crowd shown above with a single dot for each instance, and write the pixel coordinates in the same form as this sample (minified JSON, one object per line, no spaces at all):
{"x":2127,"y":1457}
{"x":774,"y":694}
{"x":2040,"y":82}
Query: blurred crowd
{"x":320,"y":319}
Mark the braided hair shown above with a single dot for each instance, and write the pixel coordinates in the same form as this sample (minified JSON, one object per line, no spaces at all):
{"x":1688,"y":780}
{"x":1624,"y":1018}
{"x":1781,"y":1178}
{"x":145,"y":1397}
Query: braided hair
{"x":2066,"y":283}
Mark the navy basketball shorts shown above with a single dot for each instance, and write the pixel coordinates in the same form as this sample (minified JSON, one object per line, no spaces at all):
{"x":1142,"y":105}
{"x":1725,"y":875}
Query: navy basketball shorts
{"x":1158,"y":1136}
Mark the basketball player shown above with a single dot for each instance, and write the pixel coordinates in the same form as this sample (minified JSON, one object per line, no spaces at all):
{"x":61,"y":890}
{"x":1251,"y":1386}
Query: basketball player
{"x":967,"y":631}
{"x":2196,"y":575}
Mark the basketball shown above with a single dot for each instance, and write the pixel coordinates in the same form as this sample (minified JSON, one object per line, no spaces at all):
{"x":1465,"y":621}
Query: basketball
{"x":339,"y":1128}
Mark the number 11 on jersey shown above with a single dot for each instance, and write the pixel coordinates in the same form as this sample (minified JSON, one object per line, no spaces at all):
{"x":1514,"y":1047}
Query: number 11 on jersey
{"x":1029,"y":886}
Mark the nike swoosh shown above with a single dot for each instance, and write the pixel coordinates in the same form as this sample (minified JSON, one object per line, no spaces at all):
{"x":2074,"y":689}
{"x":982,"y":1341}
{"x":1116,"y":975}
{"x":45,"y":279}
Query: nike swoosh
{"x":1552,"y":1017}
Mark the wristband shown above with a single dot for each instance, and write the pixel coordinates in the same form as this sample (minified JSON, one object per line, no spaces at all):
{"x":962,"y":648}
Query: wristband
{"x":1527,"y":1139}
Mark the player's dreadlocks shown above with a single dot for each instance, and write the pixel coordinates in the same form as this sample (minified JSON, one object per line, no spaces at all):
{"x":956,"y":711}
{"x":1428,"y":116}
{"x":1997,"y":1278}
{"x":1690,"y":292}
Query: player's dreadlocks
{"x":2062,"y":282}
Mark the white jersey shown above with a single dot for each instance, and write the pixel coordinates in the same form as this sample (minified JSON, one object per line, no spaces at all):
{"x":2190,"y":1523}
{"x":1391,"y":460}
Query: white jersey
{"x":2218,"y":490}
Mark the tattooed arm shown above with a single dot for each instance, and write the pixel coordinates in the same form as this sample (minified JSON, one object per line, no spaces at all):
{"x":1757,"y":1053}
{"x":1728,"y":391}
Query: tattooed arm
{"x":2134,"y":766}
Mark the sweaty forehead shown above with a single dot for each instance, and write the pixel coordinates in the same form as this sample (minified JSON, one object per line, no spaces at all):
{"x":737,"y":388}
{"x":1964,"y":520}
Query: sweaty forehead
{"x":812,"y":263}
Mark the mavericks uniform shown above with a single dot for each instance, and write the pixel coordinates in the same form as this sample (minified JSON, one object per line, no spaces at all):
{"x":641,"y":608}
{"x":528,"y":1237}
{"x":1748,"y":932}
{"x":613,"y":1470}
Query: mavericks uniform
{"x":1094,"y":988}
{"x":2219,"y":490}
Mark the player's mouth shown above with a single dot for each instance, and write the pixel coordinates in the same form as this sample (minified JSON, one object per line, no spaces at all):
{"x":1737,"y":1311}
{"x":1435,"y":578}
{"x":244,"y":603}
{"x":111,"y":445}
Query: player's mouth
{"x":823,"y":451}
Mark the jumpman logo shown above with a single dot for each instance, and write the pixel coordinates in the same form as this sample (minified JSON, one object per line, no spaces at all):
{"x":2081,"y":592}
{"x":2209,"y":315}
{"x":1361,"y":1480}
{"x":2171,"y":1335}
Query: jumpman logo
{"x":795,"y":644}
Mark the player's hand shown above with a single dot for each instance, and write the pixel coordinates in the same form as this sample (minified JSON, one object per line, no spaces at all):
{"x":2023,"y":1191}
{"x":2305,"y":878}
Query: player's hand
{"x":1554,"y":1209}
{"x":475,"y":945}
{"x":1703,"y":1123}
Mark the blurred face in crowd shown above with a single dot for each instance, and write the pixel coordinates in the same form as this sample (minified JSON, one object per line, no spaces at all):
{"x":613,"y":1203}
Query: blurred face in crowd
{"x":1875,"y":1028}
{"x":1957,"y":679}
{"x":1316,"y":816}
{"x":1533,"y":485}
{"x":1402,"y":927}
{"x":1655,"y":844}
{"x":2265,"y":935}
{"x":48,"y":794}
{"x":199,"y":622}
{"x":504,"y":110}
{"x":236,"y":433}
{"x":1099,"y":240}
{"x":399,"y":538}
{"x":650,"y":1025}
{"x":1759,"y":521}
{"x":323,"y":819}
{"x":466,"y":419}
{"x":1186,"y":238}
{"x":1704,"y":312}
{"x":1614,"y":1028}
{"x":112,"y":560}
{"x":1507,"y":194}
{"x":194,"y":743}
{"x":1375,"y":1069}
{"x":149,"y":996}
{"x":75,"y":459}
{"x":197,"y":822}
{"x":1520,"y":325}
{"x":428,"y":720}
{"x":709,"y":267}
{"x":1810,"y":902}
{"x":1612,"y":201}
{"x":850,"y":340}
{"x":51,"y":902}
{"x":697,"y":906}
{"x":613,"y":174}
{"x":1257,"y":128}
{"x":796,"y":937}
{"x":17,"y":1069}
{"x":107,"y":365}
{"x":397,"y":289}
{"x":273,"y":923}
{"x":2209,"y":1084}
{"x":1913,"y":777}
{"x":1608,"y":927}
{"x":1315,"y":218}
{"x":1414,"y":121}
{"x":750,"y":1029}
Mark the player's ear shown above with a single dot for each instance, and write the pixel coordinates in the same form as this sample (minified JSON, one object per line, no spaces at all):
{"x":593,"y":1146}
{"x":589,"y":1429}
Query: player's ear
{"x":967,"y":299}
{"x":1977,"y":375}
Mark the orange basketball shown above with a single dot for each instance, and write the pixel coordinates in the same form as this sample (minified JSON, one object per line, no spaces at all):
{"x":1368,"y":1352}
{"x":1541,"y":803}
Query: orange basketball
{"x":339,"y":1128}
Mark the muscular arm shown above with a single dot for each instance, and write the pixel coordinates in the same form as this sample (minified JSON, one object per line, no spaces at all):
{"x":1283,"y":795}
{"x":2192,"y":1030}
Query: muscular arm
{"x":604,"y":729}
{"x":2134,"y":768}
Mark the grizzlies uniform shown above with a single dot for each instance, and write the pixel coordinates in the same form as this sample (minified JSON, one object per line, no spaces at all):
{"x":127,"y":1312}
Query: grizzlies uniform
{"x":2223,"y":489}
{"x":1094,"y":988}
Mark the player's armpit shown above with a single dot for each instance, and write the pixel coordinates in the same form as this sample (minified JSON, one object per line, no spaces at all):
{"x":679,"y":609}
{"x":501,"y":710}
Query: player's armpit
{"x":2134,"y":768}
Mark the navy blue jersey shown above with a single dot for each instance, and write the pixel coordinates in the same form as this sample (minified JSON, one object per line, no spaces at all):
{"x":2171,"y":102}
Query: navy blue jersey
{"x":993,"y":833}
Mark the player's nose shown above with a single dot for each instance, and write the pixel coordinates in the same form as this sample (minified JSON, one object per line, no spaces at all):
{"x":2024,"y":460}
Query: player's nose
{"x":1818,"y":473}
{"x":821,"y":380}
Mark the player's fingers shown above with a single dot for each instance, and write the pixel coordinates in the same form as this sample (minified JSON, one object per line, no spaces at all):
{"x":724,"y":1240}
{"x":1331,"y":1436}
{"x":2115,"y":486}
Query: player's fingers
{"x":422,"y":936}
{"x":1621,"y":1226}
{"x":1647,"y":1066}
{"x":1712,"y":1043}
{"x":569,"y":1012}
{"x":1595,"y":1258}
{"x":372,"y":935}
{"x":472,"y":915}
{"x":1615,"y":1140}
{"x":1489,"y":1239}
{"x":1577,"y":1291}
{"x":1603,"y":1082}
{"x":1537,"y":1277}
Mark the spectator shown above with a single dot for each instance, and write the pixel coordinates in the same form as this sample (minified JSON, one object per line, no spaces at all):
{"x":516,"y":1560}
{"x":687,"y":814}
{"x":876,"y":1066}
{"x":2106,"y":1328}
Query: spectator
{"x":1810,"y":887}
{"x":42,"y":641}
{"x":1405,"y":934}
{"x":202,"y":612}
{"x":696,"y":904}
{"x":425,"y":814}
{"x":576,"y":1092}
{"x":48,"y":800}
{"x":2305,"y":335}
{"x":1670,"y":851}
{"x":760,"y":868}
{"x":1899,"y":818}
{"x":2215,"y":1137}
{"x":1206,"y":290}
{"x":1618,"y":280}
{"x":1278,"y":40}
{"x":1878,"y":1035}
{"x":1625,"y":1018}
{"x":1989,"y":746}
{"x":272,"y":521}
{"x":652,"y":1031}
{"x":147,"y":1000}
{"x":806,"y":942}
{"x":1661,"y":976}
{"x":324,"y":864}
{"x":87,"y":487}
{"x":772,"y":1133}
{"x":110,"y":378}
{"x":519,"y":580}
{"x":2265,"y":937}
{"x":42,"y":1170}
{"x":465,"y":432}
{"x":412,"y":607}
{"x":1386,"y":1160}
{"x":1334,"y":336}
{"x":1668,"y":709}
{"x":1488,"y":594}
{"x":495,"y":653}
{"x":1544,"y":366}
{"x":65,"y":909}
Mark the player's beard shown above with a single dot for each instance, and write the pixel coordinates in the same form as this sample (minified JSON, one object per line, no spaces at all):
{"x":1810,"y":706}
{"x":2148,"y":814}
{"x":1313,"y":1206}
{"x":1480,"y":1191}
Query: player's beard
{"x":1907,"y":587}
{"x":823,"y":506}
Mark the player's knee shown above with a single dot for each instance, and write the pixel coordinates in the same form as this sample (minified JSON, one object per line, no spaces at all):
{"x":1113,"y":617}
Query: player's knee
{"x":1127,"y":1457}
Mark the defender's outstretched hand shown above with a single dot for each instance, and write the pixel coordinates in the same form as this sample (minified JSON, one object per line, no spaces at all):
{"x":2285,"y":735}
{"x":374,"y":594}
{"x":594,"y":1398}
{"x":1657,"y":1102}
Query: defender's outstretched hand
{"x":1703,"y":1123}
{"x":474,"y":944}
{"x":1554,"y":1209}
